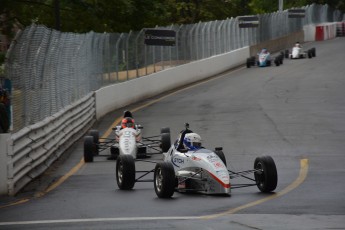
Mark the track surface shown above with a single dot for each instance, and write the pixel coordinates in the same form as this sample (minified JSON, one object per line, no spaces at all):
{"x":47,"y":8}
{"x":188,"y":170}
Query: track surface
{"x":292,"y":112}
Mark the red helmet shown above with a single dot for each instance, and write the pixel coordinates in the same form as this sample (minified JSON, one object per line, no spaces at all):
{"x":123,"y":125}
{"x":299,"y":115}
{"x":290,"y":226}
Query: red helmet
{"x":127,"y":122}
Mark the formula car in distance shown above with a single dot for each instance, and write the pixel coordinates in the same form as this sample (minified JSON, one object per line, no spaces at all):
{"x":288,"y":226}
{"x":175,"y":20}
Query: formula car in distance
{"x":188,"y":167}
{"x":128,"y":141}
{"x":264,"y":59}
{"x":297,"y":52}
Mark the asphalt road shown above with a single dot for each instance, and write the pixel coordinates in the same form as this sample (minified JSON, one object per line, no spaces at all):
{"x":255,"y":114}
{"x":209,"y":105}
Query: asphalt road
{"x":294,"y":113}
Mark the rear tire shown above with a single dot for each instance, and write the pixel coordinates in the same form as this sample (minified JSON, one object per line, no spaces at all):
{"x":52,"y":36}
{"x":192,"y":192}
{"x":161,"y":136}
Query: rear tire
{"x":166,"y":142}
{"x":125,"y":172}
{"x":267,"y":178}
{"x":248,"y":63}
{"x":164,"y":180}
{"x":221,"y":155}
{"x":89,"y":149}
{"x":95,"y":134}
{"x":165,"y":130}
{"x":310,"y":55}
{"x":286,"y":53}
{"x":313,"y":51}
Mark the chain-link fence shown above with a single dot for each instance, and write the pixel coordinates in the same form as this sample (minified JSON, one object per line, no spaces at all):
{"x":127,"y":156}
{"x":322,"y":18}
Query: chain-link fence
{"x":50,"y":70}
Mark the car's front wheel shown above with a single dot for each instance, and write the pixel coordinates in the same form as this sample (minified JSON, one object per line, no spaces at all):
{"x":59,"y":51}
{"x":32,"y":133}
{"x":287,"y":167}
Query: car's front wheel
{"x":164,"y":180}
{"x":265,"y":174}
{"x":125,"y":172}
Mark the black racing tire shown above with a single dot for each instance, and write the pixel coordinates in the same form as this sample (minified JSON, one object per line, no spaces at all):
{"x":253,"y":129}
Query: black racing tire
{"x":281,"y":57}
{"x":165,"y":130}
{"x":165,"y":142}
{"x":125,"y":172}
{"x":248,"y":63}
{"x":114,"y":153}
{"x":95,"y":134}
{"x":267,"y":178}
{"x":164,"y":180}
{"x":310,"y":55}
{"x":313,"y":51}
{"x":286,"y":53}
{"x":276,"y":62}
{"x":221,"y":155}
{"x":4,"y":119}
{"x":282,"y":54}
{"x":89,"y":149}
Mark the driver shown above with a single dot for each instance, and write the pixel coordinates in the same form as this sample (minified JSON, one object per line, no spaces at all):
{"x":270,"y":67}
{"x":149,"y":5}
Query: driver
{"x":127,"y":122}
{"x":298,"y":45}
{"x":264,"y":51}
{"x":192,"y":141}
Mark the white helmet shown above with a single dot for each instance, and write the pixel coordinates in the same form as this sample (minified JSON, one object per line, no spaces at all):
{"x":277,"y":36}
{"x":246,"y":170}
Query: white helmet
{"x":192,"y":141}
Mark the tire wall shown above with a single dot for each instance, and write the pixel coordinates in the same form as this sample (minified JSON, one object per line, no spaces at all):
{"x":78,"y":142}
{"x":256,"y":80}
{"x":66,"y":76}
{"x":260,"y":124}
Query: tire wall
{"x":278,"y":44}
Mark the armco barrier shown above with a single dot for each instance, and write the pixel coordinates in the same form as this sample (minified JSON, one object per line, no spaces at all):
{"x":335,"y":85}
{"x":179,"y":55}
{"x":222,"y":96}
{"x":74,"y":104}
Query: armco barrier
{"x":148,"y":86}
{"x":33,"y":149}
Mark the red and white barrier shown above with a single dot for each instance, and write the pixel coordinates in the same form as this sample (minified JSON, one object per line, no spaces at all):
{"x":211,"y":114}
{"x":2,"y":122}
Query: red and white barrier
{"x":321,"y":32}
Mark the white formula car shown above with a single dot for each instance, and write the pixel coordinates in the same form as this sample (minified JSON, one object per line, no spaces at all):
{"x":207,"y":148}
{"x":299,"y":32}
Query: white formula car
{"x":298,"y":53}
{"x":196,"y":169}
{"x":128,"y":141}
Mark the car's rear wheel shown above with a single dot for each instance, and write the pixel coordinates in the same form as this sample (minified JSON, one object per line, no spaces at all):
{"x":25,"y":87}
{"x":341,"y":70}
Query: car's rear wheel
{"x":286,"y":53}
{"x":114,"y":153}
{"x":248,"y":63}
{"x":165,"y":142}
{"x":125,"y":172}
{"x":89,"y":148}
{"x":221,"y":155}
{"x":95,"y":134}
{"x":310,"y":55}
{"x":313,"y":51}
{"x":276,"y":62}
{"x":165,"y":130}
{"x":164,"y":180}
{"x":266,"y":176}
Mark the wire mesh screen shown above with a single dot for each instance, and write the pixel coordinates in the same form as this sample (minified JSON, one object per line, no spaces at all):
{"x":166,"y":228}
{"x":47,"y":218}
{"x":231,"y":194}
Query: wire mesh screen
{"x":50,"y":70}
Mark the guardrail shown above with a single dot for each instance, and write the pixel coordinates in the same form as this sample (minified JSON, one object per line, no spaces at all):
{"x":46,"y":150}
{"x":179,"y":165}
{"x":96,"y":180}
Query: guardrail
{"x":32,"y":150}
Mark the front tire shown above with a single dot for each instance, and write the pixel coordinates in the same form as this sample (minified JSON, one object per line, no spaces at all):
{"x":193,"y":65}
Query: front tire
{"x":266,"y":176}
{"x":95,"y":134}
{"x":164,"y":180}
{"x":165,"y":130}
{"x":125,"y":172}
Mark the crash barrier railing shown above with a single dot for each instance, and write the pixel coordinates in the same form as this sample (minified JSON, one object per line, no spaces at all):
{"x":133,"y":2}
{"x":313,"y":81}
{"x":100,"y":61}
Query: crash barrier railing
{"x":49,"y":69}
{"x":32,"y":150}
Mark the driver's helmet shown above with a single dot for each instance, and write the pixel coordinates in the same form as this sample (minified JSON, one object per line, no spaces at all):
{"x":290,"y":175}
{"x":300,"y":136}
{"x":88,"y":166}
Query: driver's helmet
{"x":264,"y":51}
{"x":192,"y":141}
{"x":127,"y":122}
{"x":297,"y":44}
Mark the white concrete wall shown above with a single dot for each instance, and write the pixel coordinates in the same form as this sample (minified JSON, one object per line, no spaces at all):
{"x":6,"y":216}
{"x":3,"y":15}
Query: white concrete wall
{"x":122,"y":94}
{"x":3,"y":162}
{"x":309,"y":33}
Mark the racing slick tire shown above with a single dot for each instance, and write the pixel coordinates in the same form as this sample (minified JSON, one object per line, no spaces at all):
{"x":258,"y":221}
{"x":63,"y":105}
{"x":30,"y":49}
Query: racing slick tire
{"x":281,"y":57}
{"x":277,"y":62}
{"x":286,"y":53}
{"x":164,"y":180}
{"x":89,"y":149}
{"x":313,"y":52}
{"x":248,"y":63}
{"x":95,"y":134}
{"x":125,"y":172}
{"x":165,"y":130}
{"x":114,"y":153}
{"x":267,"y":179}
{"x":310,"y":55}
{"x":220,"y":154}
{"x":165,"y":142}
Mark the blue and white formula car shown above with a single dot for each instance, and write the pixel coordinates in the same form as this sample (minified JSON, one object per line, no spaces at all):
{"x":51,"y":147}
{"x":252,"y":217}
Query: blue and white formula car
{"x":264,"y":59}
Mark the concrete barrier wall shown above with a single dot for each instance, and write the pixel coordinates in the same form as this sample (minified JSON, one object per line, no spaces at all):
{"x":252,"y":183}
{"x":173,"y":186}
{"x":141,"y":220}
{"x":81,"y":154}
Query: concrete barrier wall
{"x":279,"y":44}
{"x":122,"y":94}
{"x":309,"y":33}
{"x":320,"y":32}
